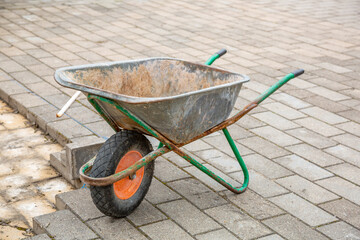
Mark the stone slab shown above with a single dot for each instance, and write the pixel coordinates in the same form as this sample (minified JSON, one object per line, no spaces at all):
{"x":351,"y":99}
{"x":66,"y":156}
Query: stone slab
{"x":307,"y":189}
{"x":303,"y":168}
{"x":314,"y":155}
{"x":165,"y":230}
{"x":302,"y":209}
{"x":340,"y":230}
{"x":111,"y":228}
{"x":255,"y":205}
{"x":80,"y":203}
{"x":62,"y":225}
{"x":197,"y":193}
{"x":238,"y":222}
{"x":190,"y":218}
{"x":342,"y":187}
{"x":345,"y":210}
{"x":39,"y":237}
{"x":291,"y":228}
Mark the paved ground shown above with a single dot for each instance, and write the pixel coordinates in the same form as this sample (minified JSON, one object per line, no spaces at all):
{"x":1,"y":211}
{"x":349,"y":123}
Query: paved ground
{"x":301,"y":145}
{"x":28,"y":184}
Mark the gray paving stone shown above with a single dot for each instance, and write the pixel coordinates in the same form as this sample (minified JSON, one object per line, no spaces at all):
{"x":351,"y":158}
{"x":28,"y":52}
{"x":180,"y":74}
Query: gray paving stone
{"x":324,"y":115}
{"x":189,"y":217}
{"x":165,"y":230}
{"x":302,"y":84}
{"x":254,"y":205}
{"x":348,"y":140}
{"x":80,"y":203}
{"x":266,"y":167}
{"x":314,"y":155}
{"x":238,"y":222}
{"x":11,"y":66}
{"x":4,"y":76}
{"x":329,"y":94}
{"x":217,"y":234}
{"x":62,"y":225}
{"x":26,"y":77}
{"x":352,"y":115}
{"x":264,"y":147}
{"x":197,"y":193}
{"x":291,"y":228}
{"x":319,"y":126}
{"x":238,"y":132}
{"x":302,"y":209}
{"x":209,"y":153}
{"x":9,"y":88}
{"x":220,"y":143}
{"x":306,"y":189}
{"x":340,"y":230}
{"x":345,"y":210}
{"x":101,"y":128}
{"x":145,"y":214}
{"x":249,"y":122}
{"x":276,"y":136}
{"x":111,"y":228}
{"x":275,"y":120}
{"x":303,"y":167}
{"x":43,"y":114}
{"x":347,"y":154}
{"x":327,"y":104}
{"x":166,"y":171}
{"x":39,"y":237}
{"x":211,"y":183}
{"x":66,"y":129}
{"x":43,"y":89}
{"x":284,"y":110}
{"x":347,"y":171}
{"x":179,"y":161}
{"x":311,"y":138}
{"x":59,"y":100}
{"x":26,"y":60}
{"x":225,"y":163}
{"x":299,"y":93}
{"x":159,"y":193}
{"x":290,"y":100}
{"x":342,"y":187}
{"x":22,"y":102}
{"x":197,"y":146}
{"x":350,"y":127}
{"x":261,"y":185}
{"x":83,"y":114}
{"x":271,"y":237}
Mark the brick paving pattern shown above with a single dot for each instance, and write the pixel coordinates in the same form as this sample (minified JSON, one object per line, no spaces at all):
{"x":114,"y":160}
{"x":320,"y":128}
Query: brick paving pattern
{"x":301,"y":144}
{"x":28,"y":184}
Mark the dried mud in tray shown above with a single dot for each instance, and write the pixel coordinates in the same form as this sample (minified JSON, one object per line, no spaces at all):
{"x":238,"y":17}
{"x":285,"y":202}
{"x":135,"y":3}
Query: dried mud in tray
{"x":151,"y":79}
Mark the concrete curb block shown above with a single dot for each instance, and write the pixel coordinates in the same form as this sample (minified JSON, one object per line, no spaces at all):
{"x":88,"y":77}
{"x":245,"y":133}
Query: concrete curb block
{"x":80,"y":142}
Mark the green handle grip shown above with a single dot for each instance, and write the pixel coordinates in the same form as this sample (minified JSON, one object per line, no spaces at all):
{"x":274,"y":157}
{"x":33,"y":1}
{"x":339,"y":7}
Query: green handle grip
{"x":277,"y":85}
{"x":215,"y":56}
{"x":298,"y":72}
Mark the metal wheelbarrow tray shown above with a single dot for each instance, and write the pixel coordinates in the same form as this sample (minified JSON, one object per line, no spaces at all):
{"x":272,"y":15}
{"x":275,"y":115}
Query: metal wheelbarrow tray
{"x":173,"y":100}
{"x":177,"y":98}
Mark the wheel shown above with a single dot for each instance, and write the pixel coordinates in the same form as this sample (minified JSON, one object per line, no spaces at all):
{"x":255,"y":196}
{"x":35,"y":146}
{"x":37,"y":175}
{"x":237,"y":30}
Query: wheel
{"x":119,"y":152}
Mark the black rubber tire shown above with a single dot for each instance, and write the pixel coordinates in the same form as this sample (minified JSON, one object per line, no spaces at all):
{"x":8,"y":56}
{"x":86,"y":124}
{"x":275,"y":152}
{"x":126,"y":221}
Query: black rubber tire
{"x":105,"y":165}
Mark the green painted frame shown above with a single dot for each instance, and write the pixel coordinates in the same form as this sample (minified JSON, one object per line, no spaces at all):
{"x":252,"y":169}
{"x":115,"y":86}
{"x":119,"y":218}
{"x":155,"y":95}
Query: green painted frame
{"x":167,"y":145}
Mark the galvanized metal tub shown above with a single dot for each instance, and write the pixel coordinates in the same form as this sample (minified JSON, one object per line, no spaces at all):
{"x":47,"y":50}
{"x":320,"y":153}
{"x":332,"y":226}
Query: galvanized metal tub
{"x":179,"y":99}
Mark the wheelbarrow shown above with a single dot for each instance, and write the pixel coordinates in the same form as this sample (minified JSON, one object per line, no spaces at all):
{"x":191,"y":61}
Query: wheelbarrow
{"x":172,"y":100}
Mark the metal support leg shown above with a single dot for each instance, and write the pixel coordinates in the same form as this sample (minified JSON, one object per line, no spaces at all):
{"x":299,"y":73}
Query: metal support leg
{"x":239,"y":158}
{"x":215,"y":176}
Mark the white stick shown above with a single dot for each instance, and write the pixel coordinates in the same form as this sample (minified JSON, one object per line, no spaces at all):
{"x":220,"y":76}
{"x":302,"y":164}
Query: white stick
{"x":68,"y":104}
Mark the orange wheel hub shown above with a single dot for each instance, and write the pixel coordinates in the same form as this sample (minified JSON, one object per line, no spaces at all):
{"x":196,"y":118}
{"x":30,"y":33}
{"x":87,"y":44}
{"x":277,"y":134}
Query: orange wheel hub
{"x":127,"y":187}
